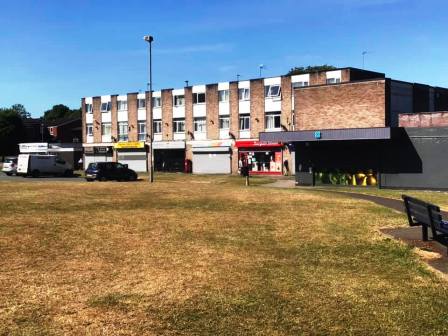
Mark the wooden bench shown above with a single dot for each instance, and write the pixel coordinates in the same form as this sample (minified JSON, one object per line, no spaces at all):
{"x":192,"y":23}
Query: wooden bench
{"x":429,"y":217}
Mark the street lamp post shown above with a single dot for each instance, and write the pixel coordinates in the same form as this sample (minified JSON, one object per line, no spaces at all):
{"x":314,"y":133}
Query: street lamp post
{"x":150,"y":39}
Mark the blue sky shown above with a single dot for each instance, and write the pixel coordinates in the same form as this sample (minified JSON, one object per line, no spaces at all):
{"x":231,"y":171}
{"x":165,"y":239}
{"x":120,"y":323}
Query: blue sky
{"x":55,"y":52}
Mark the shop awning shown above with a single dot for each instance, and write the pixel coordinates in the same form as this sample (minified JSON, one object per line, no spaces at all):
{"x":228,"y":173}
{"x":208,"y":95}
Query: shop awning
{"x":256,"y":143}
{"x":375,"y":133}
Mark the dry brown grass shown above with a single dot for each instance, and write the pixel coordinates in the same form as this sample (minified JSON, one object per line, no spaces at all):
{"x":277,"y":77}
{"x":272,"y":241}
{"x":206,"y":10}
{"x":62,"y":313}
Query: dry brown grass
{"x":191,"y":256}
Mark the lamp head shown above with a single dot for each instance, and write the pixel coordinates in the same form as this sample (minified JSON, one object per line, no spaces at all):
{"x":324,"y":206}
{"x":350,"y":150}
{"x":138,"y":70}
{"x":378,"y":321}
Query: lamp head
{"x":148,"y":38}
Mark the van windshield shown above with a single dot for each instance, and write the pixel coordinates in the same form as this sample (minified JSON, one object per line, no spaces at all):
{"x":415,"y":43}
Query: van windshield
{"x":92,"y":165}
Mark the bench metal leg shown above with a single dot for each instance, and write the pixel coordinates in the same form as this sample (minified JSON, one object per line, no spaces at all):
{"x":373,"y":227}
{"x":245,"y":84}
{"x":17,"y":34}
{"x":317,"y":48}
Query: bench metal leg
{"x":424,"y":233}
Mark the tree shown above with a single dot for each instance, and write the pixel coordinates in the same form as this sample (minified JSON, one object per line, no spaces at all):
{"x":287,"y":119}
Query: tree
{"x":21,"y":111}
{"x":61,"y":111}
{"x":11,"y":131}
{"x":310,"y":68}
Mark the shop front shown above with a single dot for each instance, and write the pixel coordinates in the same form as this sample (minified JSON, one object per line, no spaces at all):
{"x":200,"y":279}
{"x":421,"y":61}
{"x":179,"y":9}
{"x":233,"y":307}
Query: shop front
{"x":97,"y":154}
{"x":133,"y":154}
{"x":211,"y":157}
{"x":263,"y":158}
{"x":169,"y":156}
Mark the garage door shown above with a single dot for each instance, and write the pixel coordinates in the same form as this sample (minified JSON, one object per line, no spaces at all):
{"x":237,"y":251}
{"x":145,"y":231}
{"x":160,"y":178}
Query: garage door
{"x":135,"y":161}
{"x":96,"y":158}
{"x":211,"y":162}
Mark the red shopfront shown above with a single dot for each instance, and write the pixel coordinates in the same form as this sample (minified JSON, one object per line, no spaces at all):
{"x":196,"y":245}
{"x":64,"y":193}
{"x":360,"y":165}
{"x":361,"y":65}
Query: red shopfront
{"x":262,"y":158}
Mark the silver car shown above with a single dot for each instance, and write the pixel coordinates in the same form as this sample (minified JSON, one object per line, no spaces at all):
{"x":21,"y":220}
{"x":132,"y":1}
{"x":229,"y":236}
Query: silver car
{"x":10,"y":165}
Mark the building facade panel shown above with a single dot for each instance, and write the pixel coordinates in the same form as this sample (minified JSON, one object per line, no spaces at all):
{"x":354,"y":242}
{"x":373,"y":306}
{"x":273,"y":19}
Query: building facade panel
{"x":212,"y":120}
{"x":96,"y":107}
{"x":286,"y":108}
{"x":257,"y":124}
{"x":167,"y":115}
{"x":234,"y":111}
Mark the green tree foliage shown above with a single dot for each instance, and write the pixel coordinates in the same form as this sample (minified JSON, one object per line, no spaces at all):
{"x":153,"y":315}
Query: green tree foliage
{"x":61,"y":111}
{"x":11,"y":130}
{"x":310,"y":68}
{"x":21,"y":111}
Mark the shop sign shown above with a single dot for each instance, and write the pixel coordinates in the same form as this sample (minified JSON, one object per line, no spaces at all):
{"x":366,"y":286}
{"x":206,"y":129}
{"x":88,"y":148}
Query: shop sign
{"x":130,"y":144}
{"x":88,"y":150}
{"x":101,"y":150}
{"x":256,"y":144}
{"x":35,"y":147}
{"x":211,"y":143}
{"x":317,"y":135}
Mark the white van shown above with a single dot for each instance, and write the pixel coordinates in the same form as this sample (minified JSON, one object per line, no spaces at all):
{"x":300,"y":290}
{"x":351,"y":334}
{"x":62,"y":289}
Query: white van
{"x":36,"y":165}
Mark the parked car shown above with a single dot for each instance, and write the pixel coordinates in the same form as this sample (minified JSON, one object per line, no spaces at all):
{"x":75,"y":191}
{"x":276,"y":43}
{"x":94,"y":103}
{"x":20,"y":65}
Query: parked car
{"x":103,"y":171}
{"x":36,"y":165}
{"x":10,"y":165}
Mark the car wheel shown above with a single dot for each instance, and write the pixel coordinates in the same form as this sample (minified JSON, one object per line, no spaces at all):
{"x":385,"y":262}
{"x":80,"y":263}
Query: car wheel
{"x":103,"y":179}
{"x":9,"y":174}
{"x":133,"y":177}
{"x":89,"y":180}
{"x":35,"y":173}
{"x":68,"y":173}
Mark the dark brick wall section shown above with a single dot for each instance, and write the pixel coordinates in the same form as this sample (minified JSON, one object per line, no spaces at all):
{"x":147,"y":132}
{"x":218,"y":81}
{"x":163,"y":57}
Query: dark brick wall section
{"x":256,"y":107}
{"x":83,"y":119}
{"x":420,"y":99}
{"x":149,"y":130}
{"x":188,"y":112}
{"x":114,"y":117}
{"x":234,"y":109}
{"x":286,"y":116}
{"x":318,"y":78}
{"x":132,"y":117}
{"x":441,"y":99}
{"x":350,"y":105}
{"x":167,"y":114}
{"x":433,"y":119}
{"x":96,"y":106}
{"x":359,"y":74}
{"x":211,"y":94}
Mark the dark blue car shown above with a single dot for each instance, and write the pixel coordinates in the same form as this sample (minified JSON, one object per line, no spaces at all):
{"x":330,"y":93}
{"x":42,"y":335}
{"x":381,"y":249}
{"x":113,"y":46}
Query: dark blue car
{"x":105,"y":171}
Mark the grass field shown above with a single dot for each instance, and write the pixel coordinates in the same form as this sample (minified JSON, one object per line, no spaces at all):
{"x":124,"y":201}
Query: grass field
{"x":206,"y":256}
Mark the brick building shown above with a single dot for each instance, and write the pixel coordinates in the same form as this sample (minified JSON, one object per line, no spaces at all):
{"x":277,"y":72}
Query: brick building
{"x":215,"y":126}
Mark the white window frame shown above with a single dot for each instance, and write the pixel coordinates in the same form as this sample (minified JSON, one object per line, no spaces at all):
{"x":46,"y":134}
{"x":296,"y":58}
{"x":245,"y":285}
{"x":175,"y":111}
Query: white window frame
{"x":268,"y":91}
{"x":157,"y":126}
{"x":271,"y":119}
{"x":333,"y":80}
{"x":156,"y":102}
{"x":106,"y":126}
{"x":223,"y":96}
{"x":105,"y":107}
{"x":243,"y":94}
{"x":89,"y":108}
{"x":141,"y":129}
{"x":122,"y":105}
{"x":179,"y":125}
{"x":179,"y":100}
{"x":139,"y":103}
{"x":244,"y":120}
{"x":89,"y":129}
{"x":296,"y":85}
{"x":196,"y":98}
{"x":224,"y":122}
{"x":122,"y":130}
{"x":200,"y":124}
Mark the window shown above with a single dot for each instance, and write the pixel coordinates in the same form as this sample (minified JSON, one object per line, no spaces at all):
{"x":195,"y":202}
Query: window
{"x":244,"y":122}
{"x":333,"y":80}
{"x":157,"y":126}
{"x":141,"y":103}
{"x":299,"y":84}
{"x":89,"y":108}
{"x":224,"y":122}
{"x":244,"y":94}
{"x":272,"y":91}
{"x":199,"y":98}
{"x":179,"y":100}
{"x":200,"y":125}
{"x":89,"y":130}
{"x":272,"y":120}
{"x":156,"y":102}
{"x":105,"y":128}
{"x":122,"y":105}
{"x":141,"y":130}
{"x":223,"y":96}
{"x":105,"y":107}
{"x":178,"y":125}
{"x":123,"y":131}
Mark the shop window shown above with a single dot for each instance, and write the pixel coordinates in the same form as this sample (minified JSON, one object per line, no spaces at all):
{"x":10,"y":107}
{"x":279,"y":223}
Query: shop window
{"x":244,"y":122}
{"x":224,"y":122}
{"x":141,"y":130}
{"x":89,"y":130}
{"x":262,"y":161}
{"x":105,"y":107}
{"x":299,"y":84}
{"x":122,"y":131}
{"x":89,"y":108}
{"x":106,"y":128}
{"x":200,"y":125}
{"x":223,"y":96}
{"x":156,"y":102}
{"x":178,"y":125}
{"x":272,"y":120}
{"x":361,"y":178}
{"x":141,"y":103}
{"x":244,"y":94}
{"x":157,"y":126}
{"x":272,"y":91}
{"x":199,"y":98}
{"x":179,"y":100}
{"x":122,"y":105}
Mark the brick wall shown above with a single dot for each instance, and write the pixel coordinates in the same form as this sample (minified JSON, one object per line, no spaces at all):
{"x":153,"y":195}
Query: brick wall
{"x":433,"y":119}
{"x":318,"y":78}
{"x":167,"y":114}
{"x":148,"y":98}
{"x":132,"y":117}
{"x":96,"y":106}
{"x":188,"y":113}
{"x":114,"y":117}
{"x":211,"y":94}
{"x":83,"y":119}
{"x":350,"y":105}
{"x":256,"y":107}
{"x":286,"y":102}
{"x":234,"y":109}
{"x":345,"y":75}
